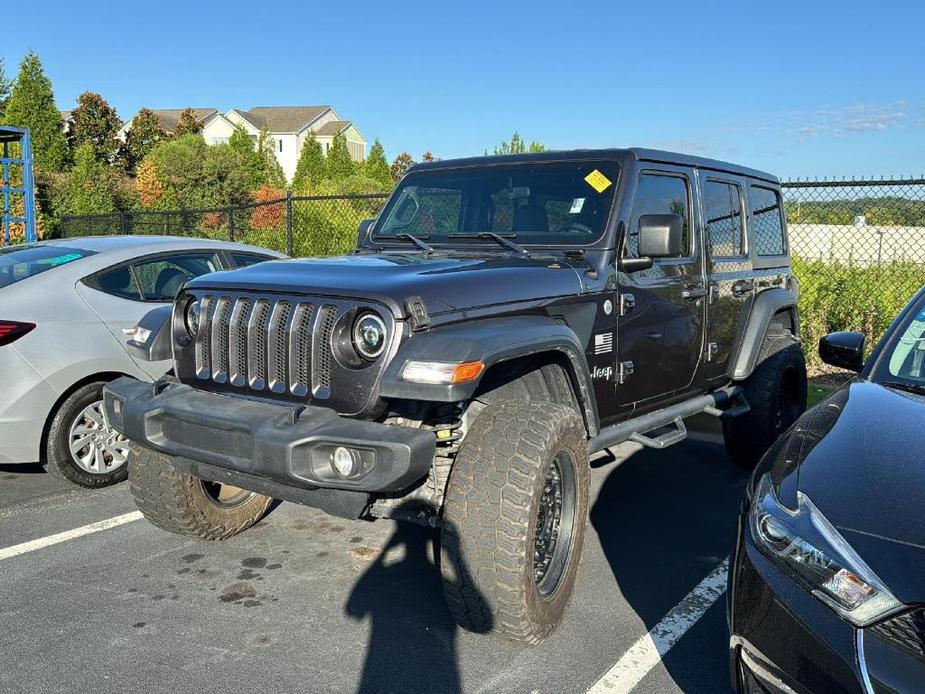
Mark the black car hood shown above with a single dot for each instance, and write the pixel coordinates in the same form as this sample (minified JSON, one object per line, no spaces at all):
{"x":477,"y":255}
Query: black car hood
{"x":865,"y":471}
{"x":443,"y":283}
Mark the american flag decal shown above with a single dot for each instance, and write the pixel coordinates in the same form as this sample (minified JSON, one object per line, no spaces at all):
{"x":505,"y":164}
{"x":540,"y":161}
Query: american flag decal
{"x":603,"y":343}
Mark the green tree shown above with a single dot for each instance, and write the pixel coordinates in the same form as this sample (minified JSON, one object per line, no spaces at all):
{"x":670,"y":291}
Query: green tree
{"x":272,"y":171}
{"x":96,"y":123}
{"x":310,"y":170}
{"x":179,"y":163}
{"x":376,"y":167}
{"x":4,"y":89}
{"x":145,"y":133}
{"x":402,"y":163}
{"x":518,"y":146}
{"x":89,"y":189}
{"x":32,"y":105}
{"x":187,"y":124}
{"x":340,"y":164}
{"x":250,"y":159}
{"x":224,"y":180}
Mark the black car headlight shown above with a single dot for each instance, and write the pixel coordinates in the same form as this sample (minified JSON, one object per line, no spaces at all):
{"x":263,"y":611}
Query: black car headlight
{"x":193,"y":316}
{"x":809,"y":549}
{"x":369,"y":335}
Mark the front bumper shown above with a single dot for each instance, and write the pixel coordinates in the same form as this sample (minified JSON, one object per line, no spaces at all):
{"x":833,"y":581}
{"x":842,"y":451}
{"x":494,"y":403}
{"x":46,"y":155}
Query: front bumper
{"x":266,"y":445}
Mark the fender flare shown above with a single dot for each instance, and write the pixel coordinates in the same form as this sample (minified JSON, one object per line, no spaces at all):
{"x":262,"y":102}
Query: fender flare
{"x":491,"y":341}
{"x":764,"y":306}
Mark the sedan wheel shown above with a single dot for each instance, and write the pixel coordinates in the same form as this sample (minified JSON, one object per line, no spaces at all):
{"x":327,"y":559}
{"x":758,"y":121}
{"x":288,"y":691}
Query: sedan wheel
{"x":94,"y":446}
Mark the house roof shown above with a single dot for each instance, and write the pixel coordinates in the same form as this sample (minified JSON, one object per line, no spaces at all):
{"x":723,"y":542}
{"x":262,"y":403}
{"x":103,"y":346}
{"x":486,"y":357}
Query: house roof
{"x":283,"y":119}
{"x":332,"y":128}
{"x":169,"y":117}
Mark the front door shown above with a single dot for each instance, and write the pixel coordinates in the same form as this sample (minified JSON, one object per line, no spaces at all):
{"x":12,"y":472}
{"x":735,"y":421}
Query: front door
{"x":729,"y":276}
{"x":661,"y":336}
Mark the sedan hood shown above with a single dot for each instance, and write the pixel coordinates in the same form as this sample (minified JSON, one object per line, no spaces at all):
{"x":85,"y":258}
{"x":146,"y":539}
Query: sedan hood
{"x":443,"y":284}
{"x":865,"y":471}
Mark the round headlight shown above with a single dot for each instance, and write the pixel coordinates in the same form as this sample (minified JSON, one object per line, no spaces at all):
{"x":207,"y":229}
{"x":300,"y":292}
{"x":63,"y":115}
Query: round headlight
{"x":369,"y":335}
{"x":193,"y":315}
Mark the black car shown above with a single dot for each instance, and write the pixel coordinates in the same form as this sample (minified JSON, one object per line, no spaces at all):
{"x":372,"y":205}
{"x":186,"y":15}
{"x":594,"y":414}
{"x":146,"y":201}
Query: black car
{"x":827,"y":586}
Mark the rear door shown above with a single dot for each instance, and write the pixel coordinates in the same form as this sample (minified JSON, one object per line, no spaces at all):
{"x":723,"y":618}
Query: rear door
{"x":661,"y":336}
{"x":729,"y":269}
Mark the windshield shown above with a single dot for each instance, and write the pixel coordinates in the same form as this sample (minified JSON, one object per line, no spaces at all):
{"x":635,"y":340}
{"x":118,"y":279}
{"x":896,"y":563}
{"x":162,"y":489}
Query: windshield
{"x":558,"y":203}
{"x":904,"y":359}
{"x":19,"y":262}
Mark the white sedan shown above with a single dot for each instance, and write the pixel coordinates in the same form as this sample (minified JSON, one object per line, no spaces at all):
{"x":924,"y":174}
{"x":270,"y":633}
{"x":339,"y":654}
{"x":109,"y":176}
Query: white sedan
{"x":64,"y":305}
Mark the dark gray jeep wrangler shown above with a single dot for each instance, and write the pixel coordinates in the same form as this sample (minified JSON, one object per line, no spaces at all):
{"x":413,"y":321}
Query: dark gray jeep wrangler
{"x":503,"y":319}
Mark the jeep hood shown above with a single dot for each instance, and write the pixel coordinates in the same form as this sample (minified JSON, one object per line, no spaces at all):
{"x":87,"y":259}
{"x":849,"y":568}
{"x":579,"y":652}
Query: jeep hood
{"x":858,"y":456}
{"x":444,"y":284}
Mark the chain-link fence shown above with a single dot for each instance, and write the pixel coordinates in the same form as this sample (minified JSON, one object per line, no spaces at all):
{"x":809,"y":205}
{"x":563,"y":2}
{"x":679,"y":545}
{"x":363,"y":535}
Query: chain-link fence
{"x":296,"y":225}
{"x":858,"y":248}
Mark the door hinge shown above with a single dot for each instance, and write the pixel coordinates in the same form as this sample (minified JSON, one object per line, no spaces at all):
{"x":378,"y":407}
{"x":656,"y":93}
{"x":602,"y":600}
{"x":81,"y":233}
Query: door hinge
{"x":712,"y":349}
{"x":627,"y":303}
{"x":624,"y":371}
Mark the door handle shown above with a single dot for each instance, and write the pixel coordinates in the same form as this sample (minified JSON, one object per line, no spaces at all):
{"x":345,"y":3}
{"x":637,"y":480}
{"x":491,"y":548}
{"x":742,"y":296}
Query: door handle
{"x":743,"y":287}
{"x":693,"y":293}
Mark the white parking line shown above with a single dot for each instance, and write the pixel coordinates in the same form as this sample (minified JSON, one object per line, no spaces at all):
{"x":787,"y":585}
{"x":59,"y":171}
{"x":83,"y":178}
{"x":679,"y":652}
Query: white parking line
{"x":32,"y":545}
{"x":645,"y":654}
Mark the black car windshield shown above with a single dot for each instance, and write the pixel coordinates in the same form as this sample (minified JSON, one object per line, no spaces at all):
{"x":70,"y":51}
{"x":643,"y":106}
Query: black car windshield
{"x":903,"y":360}
{"x":554,"y":203}
{"x":19,"y":262}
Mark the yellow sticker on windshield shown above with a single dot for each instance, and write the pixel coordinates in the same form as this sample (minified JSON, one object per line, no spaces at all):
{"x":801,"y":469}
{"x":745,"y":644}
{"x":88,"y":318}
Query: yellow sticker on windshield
{"x":598,"y":181}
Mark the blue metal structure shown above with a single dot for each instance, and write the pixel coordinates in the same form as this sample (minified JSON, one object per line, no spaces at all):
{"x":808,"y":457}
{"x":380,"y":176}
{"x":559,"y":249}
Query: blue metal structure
{"x":10,"y":135}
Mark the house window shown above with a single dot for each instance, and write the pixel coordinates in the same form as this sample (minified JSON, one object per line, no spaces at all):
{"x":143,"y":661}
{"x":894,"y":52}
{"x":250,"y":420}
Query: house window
{"x":219,"y":141}
{"x":280,"y":141}
{"x":325,"y":148}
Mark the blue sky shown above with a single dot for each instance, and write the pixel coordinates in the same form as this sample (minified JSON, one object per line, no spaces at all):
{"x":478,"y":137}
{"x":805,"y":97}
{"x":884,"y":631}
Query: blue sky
{"x":811,"y":88}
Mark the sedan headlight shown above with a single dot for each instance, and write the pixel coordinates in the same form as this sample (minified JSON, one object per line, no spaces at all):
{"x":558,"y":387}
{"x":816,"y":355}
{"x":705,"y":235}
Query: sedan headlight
{"x":809,"y":548}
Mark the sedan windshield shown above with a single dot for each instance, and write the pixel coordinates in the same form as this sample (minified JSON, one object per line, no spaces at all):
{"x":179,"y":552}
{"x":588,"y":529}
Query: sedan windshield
{"x":903,"y":361}
{"x":555,"y":203}
{"x":19,"y":262}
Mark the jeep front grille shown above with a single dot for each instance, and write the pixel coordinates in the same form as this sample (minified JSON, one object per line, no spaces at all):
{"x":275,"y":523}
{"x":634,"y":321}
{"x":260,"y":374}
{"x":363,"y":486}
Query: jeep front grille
{"x":277,"y":345}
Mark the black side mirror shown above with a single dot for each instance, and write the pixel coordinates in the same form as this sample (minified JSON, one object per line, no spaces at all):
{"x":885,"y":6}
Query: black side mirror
{"x":660,"y":235}
{"x":363,"y":230}
{"x":844,"y":350}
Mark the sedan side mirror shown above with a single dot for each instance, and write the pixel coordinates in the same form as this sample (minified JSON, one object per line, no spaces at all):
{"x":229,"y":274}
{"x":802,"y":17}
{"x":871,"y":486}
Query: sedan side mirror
{"x":844,"y":350}
{"x":660,"y":235}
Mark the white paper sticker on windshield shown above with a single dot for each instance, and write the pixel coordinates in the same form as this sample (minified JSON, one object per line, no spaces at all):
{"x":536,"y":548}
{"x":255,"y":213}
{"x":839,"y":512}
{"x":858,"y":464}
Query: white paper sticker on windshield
{"x":577,"y":204}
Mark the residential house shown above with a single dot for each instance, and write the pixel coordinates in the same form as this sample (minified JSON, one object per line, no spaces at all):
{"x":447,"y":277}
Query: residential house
{"x":169,"y":117}
{"x":289,"y":126}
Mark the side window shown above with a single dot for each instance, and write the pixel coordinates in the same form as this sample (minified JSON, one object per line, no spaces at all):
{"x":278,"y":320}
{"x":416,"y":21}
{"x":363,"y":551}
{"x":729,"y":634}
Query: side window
{"x":660,"y":194}
{"x":118,"y":282}
{"x":161,"y":278}
{"x":246,"y":259}
{"x":723,"y":211}
{"x":767,"y":227}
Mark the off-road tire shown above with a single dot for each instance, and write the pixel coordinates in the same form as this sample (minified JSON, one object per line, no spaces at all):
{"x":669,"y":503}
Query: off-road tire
{"x":56,"y":454}
{"x":490,"y":518}
{"x":780,"y":374}
{"x":177,"y":502}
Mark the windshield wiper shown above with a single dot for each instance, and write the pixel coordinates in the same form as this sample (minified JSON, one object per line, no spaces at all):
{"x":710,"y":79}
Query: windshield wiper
{"x":503,"y":240}
{"x":426,"y":247}
{"x":917,"y":388}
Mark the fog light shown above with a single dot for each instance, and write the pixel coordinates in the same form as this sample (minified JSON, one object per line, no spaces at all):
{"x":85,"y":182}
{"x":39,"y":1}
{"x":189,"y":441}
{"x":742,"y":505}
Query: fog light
{"x":345,"y":461}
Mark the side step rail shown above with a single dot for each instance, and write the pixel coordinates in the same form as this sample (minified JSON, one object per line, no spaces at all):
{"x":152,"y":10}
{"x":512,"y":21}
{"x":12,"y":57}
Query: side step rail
{"x":725,"y":402}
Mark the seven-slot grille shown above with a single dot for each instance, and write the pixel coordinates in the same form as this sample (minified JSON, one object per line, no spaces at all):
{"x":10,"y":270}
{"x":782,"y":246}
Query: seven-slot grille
{"x":271,"y":344}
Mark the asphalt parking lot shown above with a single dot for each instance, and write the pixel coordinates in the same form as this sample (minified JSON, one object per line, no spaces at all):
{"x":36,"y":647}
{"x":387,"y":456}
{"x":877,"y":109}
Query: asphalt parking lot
{"x":305,"y":602}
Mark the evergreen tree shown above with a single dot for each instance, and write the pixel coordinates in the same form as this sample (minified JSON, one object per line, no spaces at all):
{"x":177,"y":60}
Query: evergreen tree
{"x":340,"y":164}
{"x":518,"y":146}
{"x":272,"y":171}
{"x":187,"y":124}
{"x":5,"y":86}
{"x":250,"y":159}
{"x":96,"y":123}
{"x":311,"y":168}
{"x":90,"y":188}
{"x":376,"y":167}
{"x":402,"y":163}
{"x":32,"y":105}
{"x":146,"y":131}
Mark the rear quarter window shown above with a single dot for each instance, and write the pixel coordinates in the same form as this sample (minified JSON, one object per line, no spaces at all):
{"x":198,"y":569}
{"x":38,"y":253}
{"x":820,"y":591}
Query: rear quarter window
{"x":767,"y":224}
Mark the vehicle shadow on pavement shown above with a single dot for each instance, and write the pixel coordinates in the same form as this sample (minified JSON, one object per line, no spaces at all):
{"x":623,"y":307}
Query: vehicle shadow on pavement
{"x":665,"y":519}
{"x":412,"y":643}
